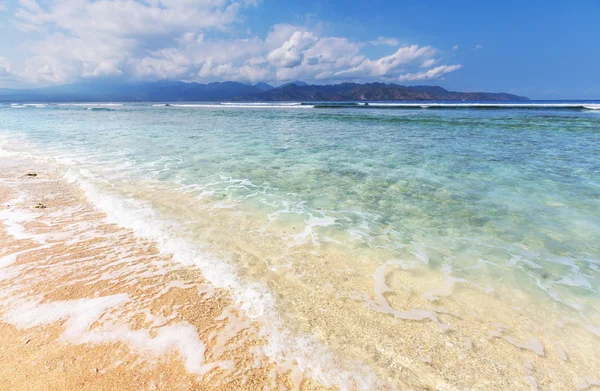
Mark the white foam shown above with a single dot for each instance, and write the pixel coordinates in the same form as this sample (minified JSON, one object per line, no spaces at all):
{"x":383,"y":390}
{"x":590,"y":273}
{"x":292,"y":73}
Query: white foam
{"x":309,"y":235}
{"x":251,"y":297}
{"x":592,"y":107}
{"x":91,"y":104}
{"x":79,"y":316}
{"x":244,"y":106}
{"x":180,"y":337}
{"x":13,"y":220}
{"x":262,"y":104}
{"x":9,"y":259}
{"x":232,"y":328}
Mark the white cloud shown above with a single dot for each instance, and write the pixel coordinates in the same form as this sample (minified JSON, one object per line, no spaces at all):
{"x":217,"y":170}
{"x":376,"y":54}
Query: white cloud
{"x":388,"y":66}
{"x":385,"y":41}
{"x":455,"y":47}
{"x":478,"y":47}
{"x":188,"y":40}
{"x":429,"y":62}
{"x":127,"y":18}
{"x":3,"y":6}
{"x":291,"y":53}
{"x":430,"y":74}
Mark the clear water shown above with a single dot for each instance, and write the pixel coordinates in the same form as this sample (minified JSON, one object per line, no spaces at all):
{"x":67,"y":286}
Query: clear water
{"x":500,"y":200}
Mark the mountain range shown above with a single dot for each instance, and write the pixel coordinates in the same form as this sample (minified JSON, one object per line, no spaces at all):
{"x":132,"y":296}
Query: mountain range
{"x":167,"y":91}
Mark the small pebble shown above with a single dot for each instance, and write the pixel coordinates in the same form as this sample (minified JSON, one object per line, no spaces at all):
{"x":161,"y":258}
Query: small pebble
{"x":40,"y":206}
{"x":32,"y":174}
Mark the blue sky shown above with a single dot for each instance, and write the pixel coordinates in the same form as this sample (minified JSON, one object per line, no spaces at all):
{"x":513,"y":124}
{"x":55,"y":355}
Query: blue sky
{"x":542,"y":49}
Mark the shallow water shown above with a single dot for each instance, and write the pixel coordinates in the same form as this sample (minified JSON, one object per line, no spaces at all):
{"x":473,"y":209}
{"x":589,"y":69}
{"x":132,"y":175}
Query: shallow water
{"x":386,"y":237}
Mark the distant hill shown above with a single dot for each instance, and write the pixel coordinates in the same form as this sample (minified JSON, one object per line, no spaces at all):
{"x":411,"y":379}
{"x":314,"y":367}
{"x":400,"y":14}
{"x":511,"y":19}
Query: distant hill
{"x":373,"y":92}
{"x":297,"y":82}
{"x":166,"y":91}
{"x":155,"y":91}
{"x":263,"y":86}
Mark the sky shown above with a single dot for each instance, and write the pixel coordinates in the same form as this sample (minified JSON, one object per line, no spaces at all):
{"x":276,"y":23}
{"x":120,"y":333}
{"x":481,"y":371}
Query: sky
{"x":541,"y":49}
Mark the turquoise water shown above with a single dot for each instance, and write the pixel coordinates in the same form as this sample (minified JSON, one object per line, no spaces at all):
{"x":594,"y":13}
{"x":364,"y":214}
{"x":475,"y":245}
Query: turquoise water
{"x":507,"y":196}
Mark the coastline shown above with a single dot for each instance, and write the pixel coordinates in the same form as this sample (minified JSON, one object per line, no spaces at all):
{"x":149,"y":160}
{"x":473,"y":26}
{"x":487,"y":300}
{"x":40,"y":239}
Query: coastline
{"x":69,"y":255}
{"x":90,"y":305}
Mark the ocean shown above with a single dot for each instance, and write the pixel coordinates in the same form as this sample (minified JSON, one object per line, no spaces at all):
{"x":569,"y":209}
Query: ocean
{"x":375,"y":243}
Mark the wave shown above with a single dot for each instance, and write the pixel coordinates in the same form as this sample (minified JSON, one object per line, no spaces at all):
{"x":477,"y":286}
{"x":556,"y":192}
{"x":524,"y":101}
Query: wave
{"x":244,"y":105}
{"x":340,"y":104}
{"x":100,"y":109}
{"x":24,"y":105}
{"x":254,"y":298}
{"x":592,"y":107}
{"x":262,"y":103}
{"x":472,"y":106}
{"x":90,"y":104}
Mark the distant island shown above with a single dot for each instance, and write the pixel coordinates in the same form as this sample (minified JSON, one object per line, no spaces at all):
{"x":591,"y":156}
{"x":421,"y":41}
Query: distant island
{"x":167,"y":91}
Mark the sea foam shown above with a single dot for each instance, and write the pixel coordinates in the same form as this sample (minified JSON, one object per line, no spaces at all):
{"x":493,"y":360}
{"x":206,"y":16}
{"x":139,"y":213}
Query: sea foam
{"x":253,"y":298}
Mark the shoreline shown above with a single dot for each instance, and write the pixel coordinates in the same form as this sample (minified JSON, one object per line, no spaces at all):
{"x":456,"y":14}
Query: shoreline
{"x":91,"y":305}
{"x":152,"y":292}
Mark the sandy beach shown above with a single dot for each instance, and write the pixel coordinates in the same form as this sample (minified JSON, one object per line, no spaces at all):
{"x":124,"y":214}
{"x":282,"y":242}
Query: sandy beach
{"x":88,"y":304}
{"x":84,"y":304}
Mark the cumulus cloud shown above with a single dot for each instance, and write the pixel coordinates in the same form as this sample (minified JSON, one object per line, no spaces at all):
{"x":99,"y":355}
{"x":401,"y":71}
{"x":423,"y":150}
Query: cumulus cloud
{"x":455,"y":47}
{"x":430,"y":74}
{"x":127,"y":18}
{"x":291,"y":53}
{"x":196,"y":40}
{"x":388,"y":66}
{"x":478,"y":47}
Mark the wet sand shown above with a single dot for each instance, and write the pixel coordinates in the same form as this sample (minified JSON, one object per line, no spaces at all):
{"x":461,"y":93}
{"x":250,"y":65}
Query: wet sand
{"x":84,"y":304}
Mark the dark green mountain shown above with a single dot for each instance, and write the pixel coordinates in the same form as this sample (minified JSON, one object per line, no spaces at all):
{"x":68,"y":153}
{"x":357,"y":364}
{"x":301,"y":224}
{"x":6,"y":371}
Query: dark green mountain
{"x":373,"y":92}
